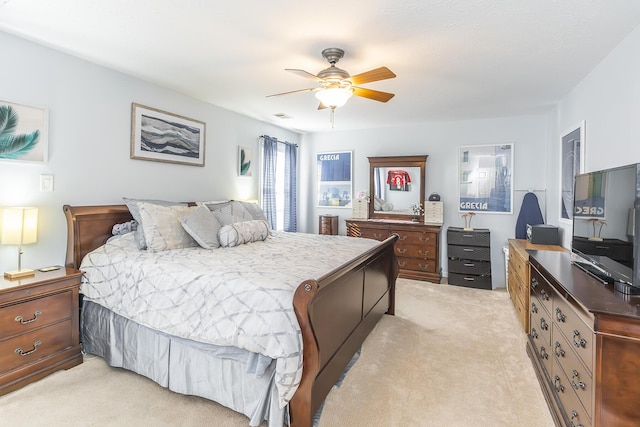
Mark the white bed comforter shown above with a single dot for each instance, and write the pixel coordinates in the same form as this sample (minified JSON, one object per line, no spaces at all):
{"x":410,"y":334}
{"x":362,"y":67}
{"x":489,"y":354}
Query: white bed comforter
{"x":241,"y":296}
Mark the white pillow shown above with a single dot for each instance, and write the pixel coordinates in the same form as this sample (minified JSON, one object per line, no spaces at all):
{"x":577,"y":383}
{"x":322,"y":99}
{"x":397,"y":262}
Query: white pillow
{"x":162,"y":228}
{"x":203,"y":226}
{"x":134,"y":209}
{"x":243,"y":232}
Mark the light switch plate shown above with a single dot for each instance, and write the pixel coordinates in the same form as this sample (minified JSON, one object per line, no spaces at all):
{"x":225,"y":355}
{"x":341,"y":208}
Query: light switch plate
{"x":46,"y":182}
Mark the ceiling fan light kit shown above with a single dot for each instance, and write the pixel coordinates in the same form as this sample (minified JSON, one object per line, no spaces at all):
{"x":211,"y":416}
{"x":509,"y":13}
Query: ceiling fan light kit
{"x":337,"y":85}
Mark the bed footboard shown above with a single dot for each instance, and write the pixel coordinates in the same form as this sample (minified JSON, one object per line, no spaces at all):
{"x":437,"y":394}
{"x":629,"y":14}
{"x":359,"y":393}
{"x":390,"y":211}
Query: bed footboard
{"x":336,"y":313}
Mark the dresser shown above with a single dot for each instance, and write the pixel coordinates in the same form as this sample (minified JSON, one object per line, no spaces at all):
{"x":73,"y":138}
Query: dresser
{"x":469,"y":257}
{"x":518,"y":280}
{"x":584,"y":342}
{"x":39,"y":327}
{"x":328,"y":224}
{"x":417,"y":248}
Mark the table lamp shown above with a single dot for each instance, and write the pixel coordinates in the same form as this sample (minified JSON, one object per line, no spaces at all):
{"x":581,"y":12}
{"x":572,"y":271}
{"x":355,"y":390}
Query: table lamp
{"x":19,"y":227}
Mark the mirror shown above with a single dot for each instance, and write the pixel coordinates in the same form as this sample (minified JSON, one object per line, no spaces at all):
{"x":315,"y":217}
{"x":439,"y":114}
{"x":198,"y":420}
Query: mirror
{"x":396,"y":183}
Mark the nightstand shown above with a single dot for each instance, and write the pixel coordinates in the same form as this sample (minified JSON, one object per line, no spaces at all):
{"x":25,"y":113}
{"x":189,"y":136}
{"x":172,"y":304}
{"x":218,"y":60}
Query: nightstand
{"x":39,"y":326}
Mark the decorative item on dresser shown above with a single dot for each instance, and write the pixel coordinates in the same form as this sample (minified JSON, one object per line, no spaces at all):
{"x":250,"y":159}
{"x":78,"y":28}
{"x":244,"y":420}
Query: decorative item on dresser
{"x":584,"y":342}
{"x":518,"y":281}
{"x":328,"y":224}
{"x":469,"y":254}
{"x":39,"y":328}
{"x":417,"y":248}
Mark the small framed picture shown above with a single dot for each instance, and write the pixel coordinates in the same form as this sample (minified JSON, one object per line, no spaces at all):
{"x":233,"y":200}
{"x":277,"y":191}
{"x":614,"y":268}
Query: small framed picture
{"x":161,"y":136}
{"x":245,"y":161}
{"x":26,"y":131}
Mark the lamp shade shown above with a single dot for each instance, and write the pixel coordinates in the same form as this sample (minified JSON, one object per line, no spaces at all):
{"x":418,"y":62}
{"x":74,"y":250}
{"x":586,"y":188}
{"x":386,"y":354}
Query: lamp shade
{"x":19,"y":226}
{"x":334,"y":97}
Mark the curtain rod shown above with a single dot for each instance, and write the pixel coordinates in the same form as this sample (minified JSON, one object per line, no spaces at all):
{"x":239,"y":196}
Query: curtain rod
{"x":281,"y":142}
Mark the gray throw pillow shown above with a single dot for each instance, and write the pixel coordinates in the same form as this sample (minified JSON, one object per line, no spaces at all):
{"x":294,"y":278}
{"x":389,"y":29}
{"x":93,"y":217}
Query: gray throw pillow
{"x":203,"y":226}
{"x":134,"y":209}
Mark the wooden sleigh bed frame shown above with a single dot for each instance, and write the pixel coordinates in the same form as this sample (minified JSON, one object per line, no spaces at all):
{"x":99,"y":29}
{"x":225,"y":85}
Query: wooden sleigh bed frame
{"x":335,"y":312}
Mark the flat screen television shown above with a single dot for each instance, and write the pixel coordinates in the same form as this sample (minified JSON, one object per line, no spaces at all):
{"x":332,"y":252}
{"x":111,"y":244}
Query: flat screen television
{"x":606,"y":226}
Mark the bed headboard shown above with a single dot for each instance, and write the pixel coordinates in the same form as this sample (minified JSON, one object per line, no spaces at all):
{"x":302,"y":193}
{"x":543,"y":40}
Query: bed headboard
{"x":89,"y":227}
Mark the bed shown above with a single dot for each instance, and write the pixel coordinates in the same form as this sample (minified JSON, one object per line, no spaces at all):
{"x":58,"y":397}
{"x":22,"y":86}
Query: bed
{"x":334,"y":311}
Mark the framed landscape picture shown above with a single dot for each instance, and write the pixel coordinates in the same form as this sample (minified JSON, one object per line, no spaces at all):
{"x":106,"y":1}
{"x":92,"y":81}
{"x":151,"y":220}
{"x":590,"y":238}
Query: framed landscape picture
{"x":24,"y":133}
{"x":161,"y":136}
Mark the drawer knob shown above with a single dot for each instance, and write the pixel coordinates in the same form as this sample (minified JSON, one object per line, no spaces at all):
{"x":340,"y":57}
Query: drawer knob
{"x":544,"y":294}
{"x":402,"y":250}
{"x":557,"y":350}
{"x":576,"y":384}
{"x":543,"y":324}
{"x":574,"y":414}
{"x":33,"y":319}
{"x":423,"y":266}
{"x":534,"y":333}
{"x":402,"y":263}
{"x":378,"y":236}
{"x":534,"y":307}
{"x":578,"y":343}
{"x":424,"y":239}
{"x":26,"y":353}
{"x":423,"y":253}
{"x":534,"y":282}
{"x":558,"y":385}
{"x":560,"y":317}
{"x":543,"y":353}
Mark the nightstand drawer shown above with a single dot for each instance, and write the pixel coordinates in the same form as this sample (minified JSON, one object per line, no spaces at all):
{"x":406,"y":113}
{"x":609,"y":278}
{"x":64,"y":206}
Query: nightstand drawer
{"x":21,"y":318}
{"x":34,"y":345}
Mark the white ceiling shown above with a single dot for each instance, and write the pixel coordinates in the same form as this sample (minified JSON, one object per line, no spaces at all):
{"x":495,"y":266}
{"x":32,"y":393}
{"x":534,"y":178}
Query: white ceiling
{"x":454,"y":59}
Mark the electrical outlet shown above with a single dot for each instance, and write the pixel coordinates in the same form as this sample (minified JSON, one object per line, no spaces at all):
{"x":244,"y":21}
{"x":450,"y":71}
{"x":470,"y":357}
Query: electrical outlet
{"x":46,"y":182}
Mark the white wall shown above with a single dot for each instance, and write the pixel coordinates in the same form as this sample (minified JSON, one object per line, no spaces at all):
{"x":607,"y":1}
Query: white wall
{"x":89,"y":141}
{"x":608,"y":99}
{"x":440,"y":141}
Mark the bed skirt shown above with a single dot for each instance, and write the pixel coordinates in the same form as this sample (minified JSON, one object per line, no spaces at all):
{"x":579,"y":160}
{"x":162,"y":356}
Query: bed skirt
{"x":184,"y":366}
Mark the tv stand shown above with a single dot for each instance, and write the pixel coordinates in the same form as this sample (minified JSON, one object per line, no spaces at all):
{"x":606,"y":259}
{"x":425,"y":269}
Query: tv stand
{"x":584,"y":342}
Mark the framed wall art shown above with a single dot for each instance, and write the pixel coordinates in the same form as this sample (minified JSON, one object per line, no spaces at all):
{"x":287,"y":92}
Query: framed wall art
{"x":160,"y":136}
{"x":485,"y":176}
{"x":572,"y":157}
{"x":334,"y":179}
{"x":245,"y":161}
{"x":24,"y":133}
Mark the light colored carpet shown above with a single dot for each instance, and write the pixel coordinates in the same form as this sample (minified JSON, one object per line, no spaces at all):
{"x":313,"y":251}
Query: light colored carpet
{"x":451,"y":356}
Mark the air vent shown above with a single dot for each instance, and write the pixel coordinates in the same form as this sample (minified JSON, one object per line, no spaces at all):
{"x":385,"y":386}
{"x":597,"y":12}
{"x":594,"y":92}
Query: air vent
{"x":283,"y":116}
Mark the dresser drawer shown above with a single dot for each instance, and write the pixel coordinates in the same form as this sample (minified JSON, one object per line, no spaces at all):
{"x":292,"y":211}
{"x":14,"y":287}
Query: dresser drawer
{"x":469,"y":252}
{"x":578,"y":334}
{"x":542,"y":291}
{"x":480,"y":282}
{"x":34,"y":345}
{"x":426,"y":265}
{"x":19,"y":318}
{"x":468,"y":238}
{"x":416,"y":237}
{"x":415,"y":251}
{"x":574,"y":410}
{"x":470,"y":267}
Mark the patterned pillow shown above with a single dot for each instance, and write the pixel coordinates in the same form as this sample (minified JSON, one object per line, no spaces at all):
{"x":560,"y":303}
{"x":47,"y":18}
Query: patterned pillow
{"x":230,"y":212}
{"x":132,"y":204}
{"x":254,"y":210}
{"x":162,"y":228}
{"x":243,"y":232}
{"x":203,"y":226}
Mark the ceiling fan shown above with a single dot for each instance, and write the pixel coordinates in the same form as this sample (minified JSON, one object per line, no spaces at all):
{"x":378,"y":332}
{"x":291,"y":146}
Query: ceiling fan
{"x":337,"y":85}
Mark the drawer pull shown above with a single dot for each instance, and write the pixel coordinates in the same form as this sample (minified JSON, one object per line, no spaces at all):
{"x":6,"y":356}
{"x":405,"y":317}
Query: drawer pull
{"x":574,"y":384}
{"x":423,"y":253}
{"x":378,"y":236}
{"x":402,"y":250}
{"x":424,"y":239}
{"x":544,"y":295}
{"x":467,"y":249}
{"x":23,"y":353}
{"x":469,"y":265}
{"x":534,"y":307}
{"x":402,"y":237}
{"x":534,"y":282}
{"x":469,"y":279}
{"x":558,"y":385}
{"x":534,"y":333}
{"x":581,"y":342}
{"x":543,"y":353}
{"x":24,"y":322}
{"x":574,"y":414}
{"x":557,"y":350}
{"x":402,"y":263}
{"x":423,"y":266}
{"x":559,"y":316}
{"x":543,"y":324}
{"x":468,"y":235}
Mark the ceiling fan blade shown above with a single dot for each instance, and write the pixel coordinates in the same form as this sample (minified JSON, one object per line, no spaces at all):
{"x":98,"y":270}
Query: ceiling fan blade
{"x":294,"y":91}
{"x":381,"y":73}
{"x":376,"y":95}
{"x":305,"y":74}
